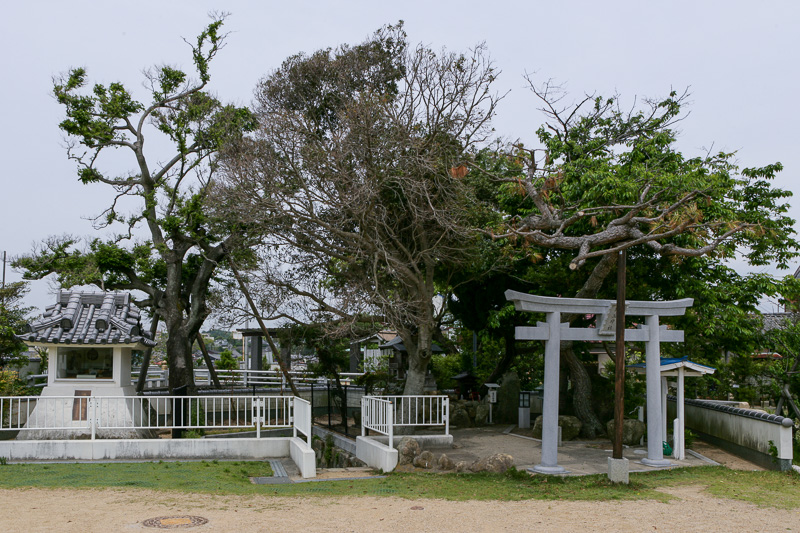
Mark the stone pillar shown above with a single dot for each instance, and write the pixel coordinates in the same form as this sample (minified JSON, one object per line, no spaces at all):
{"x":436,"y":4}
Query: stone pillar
{"x":655,"y":437}
{"x":355,"y":356}
{"x":256,"y":352}
{"x":552,"y":360}
{"x":286,"y":355}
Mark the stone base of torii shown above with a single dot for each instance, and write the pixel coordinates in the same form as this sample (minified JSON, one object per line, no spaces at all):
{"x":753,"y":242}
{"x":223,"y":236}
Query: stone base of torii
{"x":553,"y":331}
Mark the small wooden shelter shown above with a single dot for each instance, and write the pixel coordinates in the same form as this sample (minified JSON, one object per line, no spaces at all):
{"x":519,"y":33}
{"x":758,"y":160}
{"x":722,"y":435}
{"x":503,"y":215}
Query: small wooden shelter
{"x":681,"y":368}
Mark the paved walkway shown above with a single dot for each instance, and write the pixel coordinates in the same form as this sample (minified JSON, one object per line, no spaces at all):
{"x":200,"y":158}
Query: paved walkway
{"x":578,"y":457}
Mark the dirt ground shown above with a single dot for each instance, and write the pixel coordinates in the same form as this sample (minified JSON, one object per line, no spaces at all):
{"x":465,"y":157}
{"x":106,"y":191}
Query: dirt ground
{"x":63,"y":510}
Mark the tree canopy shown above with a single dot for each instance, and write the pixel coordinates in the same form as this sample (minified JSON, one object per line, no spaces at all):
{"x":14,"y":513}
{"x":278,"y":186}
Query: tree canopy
{"x":174,"y":265}
{"x":604,"y":180}
{"x":356,"y":168}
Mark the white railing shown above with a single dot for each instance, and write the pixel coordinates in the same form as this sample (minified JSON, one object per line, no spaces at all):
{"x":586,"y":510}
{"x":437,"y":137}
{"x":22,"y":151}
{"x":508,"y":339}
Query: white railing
{"x":421,"y":411}
{"x":157,"y":377}
{"x":377,"y":414}
{"x":96,"y":413}
{"x":302,"y":418}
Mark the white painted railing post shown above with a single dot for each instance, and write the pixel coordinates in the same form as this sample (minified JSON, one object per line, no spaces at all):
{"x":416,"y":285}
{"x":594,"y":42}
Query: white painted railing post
{"x":447,"y":415}
{"x":257,"y":415}
{"x":390,"y":422}
{"x":94,"y":417}
{"x":364,"y":417}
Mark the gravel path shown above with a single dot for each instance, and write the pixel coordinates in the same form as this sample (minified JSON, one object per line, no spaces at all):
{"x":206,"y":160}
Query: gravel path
{"x":62,"y":510}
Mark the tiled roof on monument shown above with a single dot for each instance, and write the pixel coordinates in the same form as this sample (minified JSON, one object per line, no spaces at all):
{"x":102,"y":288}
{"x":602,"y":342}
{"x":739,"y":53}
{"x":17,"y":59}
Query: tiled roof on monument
{"x":88,"y":318}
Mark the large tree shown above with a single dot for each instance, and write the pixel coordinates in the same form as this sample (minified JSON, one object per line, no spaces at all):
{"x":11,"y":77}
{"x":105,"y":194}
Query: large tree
{"x":357,"y":169}
{"x":603,"y":180}
{"x":174,"y":265}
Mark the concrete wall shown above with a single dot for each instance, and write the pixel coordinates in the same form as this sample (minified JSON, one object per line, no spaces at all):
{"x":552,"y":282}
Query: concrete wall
{"x":744,"y":432}
{"x":375,"y":454}
{"x":303,"y":457}
{"x":247,"y":449}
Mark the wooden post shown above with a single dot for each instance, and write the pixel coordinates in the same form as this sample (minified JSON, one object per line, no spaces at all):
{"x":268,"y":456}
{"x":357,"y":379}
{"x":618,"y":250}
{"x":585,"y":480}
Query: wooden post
{"x":264,"y":330}
{"x":619,"y":364}
{"x":212,"y":373}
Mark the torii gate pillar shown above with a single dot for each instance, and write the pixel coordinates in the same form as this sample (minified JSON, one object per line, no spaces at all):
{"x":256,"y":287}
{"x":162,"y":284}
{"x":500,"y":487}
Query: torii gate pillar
{"x":553,"y":332}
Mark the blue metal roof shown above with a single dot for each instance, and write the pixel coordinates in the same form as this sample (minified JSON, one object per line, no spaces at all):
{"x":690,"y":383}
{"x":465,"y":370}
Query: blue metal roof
{"x":671,"y":363}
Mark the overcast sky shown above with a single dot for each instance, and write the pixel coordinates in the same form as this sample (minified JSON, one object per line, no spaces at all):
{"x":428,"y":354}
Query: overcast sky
{"x":739,"y":60}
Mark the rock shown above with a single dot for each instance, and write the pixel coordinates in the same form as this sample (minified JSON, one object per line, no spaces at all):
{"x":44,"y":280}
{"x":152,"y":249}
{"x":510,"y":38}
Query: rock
{"x":570,"y":427}
{"x":445,"y":463}
{"x":424,"y":460}
{"x":498,"y":463}
{"x":632,"y":431}
{"x":407,"y":449}
{"x":472,"y":407}
{"x":461,"y":466}
{"x":460,"y":418}
{"x":482,"y":415}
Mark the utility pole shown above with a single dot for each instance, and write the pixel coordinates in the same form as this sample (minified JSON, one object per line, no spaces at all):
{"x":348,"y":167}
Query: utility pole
{"x":619,"y":363}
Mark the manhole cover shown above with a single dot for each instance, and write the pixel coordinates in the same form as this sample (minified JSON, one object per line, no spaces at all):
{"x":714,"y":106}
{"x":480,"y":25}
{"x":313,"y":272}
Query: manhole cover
{"x":174,"y":522}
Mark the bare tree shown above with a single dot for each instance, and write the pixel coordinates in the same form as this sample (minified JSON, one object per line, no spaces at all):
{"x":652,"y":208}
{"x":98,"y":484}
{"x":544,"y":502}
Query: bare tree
{"x":357,"y":172}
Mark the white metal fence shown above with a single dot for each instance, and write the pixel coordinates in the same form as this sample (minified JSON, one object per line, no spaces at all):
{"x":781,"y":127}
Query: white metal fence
{"x":302,"y":418}
{"x":90,"y":414}
{"x":377,"y":414}
{"x":421,"y":411}
{"x":383,"y":413}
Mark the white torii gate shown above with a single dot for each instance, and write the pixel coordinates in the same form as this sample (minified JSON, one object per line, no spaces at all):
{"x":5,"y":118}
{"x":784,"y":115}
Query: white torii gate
{"x":552,"y":331}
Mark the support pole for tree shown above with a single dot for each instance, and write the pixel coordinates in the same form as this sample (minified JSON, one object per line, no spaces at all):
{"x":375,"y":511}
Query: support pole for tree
{"x":148,"y":353}
{"x":264,"y":330}
{"x":619,"y":364}
{"x":212,"y":372}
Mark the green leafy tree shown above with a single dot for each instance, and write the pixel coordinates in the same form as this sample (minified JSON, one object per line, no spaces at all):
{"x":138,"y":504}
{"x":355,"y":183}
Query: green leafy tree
{"x":12,"y":321}
{"x":605,"y":180}
{"x":226,"y":361}
{"x":174,"y":266}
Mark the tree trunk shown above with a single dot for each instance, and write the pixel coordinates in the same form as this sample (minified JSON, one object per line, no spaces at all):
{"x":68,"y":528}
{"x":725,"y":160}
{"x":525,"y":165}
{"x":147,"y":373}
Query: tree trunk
{"x":582,"y":393}
{"x":506,"y":360}
{"x":181,"y":364}
{"x":581,"y":382}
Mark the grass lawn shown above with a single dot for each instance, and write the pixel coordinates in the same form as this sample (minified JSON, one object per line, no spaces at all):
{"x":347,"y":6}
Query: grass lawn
{"x":771,"y":489}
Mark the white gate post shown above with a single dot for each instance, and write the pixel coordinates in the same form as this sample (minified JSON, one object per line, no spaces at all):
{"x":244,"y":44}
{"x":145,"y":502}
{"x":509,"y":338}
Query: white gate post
{"x":655,"y":439}
{"x":552,"y":360}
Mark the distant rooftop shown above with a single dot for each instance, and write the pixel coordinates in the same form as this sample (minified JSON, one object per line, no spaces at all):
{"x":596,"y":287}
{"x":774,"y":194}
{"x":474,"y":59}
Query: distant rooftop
{"x":88,"y":318}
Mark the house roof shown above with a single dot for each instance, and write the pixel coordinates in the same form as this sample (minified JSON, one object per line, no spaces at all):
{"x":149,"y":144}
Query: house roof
{"x":88,"y":318}
{"x":397,"y":344}
{"x":778,"y":320}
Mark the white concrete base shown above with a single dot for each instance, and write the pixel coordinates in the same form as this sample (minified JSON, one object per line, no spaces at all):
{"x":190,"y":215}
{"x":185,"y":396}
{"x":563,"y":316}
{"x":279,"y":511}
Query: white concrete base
{"x":303,"y":457}
{"x":618,"y":470}
{"x":424,"y":440}
{"x":160,"y":449}
{"x":657,"y":463}
{"x":376,"y":454}
{"x":541,"y":469}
